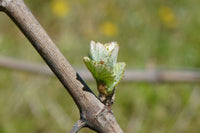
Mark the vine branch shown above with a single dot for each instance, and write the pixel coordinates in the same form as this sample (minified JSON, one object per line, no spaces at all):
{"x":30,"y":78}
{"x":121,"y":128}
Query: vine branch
{"x":89,"y":105}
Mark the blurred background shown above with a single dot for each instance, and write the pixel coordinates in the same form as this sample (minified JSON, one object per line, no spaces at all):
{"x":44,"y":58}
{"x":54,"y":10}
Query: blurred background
{"x":151,"y":34}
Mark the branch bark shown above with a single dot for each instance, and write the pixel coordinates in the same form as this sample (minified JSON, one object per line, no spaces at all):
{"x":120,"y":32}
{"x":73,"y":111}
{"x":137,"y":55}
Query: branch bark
{"x":98,"y":116}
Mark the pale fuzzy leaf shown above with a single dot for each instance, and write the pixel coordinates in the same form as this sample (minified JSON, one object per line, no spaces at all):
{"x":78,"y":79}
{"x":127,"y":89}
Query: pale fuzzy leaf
{"x":119,"y":73}
{"x":112,"y":60}
{"x":110,"y":46}
{"x":98,"y":52}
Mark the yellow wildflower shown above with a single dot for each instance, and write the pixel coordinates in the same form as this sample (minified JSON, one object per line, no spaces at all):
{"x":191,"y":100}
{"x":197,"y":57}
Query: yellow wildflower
{"x":60,"y":8}
{"x":109,"y":29}
{"x":167,"y":17}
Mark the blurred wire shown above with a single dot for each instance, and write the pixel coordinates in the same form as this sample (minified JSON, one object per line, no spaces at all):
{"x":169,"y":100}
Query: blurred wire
{"x":148,"y":75}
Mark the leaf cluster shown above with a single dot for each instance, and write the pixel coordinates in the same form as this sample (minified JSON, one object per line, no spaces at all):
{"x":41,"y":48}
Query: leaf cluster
{"x":102,"y":63}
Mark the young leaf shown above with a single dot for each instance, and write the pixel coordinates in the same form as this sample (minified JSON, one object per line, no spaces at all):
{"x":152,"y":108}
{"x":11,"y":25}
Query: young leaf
{"x":112,"y":60}
{"x":101,"y":73}
{"x":98,"y":52}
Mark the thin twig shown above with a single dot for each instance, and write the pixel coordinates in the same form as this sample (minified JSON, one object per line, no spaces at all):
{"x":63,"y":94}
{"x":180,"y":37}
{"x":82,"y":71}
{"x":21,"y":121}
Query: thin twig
{"x":78,"y":125}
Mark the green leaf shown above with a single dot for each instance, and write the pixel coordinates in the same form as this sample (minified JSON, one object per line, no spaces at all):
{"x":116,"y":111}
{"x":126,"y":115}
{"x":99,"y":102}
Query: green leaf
{"x":100,"y":72}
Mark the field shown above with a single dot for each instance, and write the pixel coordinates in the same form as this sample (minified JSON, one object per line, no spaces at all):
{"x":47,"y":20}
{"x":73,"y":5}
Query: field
{"x":158,"y":34}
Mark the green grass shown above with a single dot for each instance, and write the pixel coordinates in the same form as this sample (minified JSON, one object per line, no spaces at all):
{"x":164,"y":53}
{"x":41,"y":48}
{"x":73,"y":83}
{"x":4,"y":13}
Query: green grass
{"x":35,"y":103}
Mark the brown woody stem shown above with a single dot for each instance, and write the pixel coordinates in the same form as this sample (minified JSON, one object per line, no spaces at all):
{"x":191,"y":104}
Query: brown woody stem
{"x":98,"y":117}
